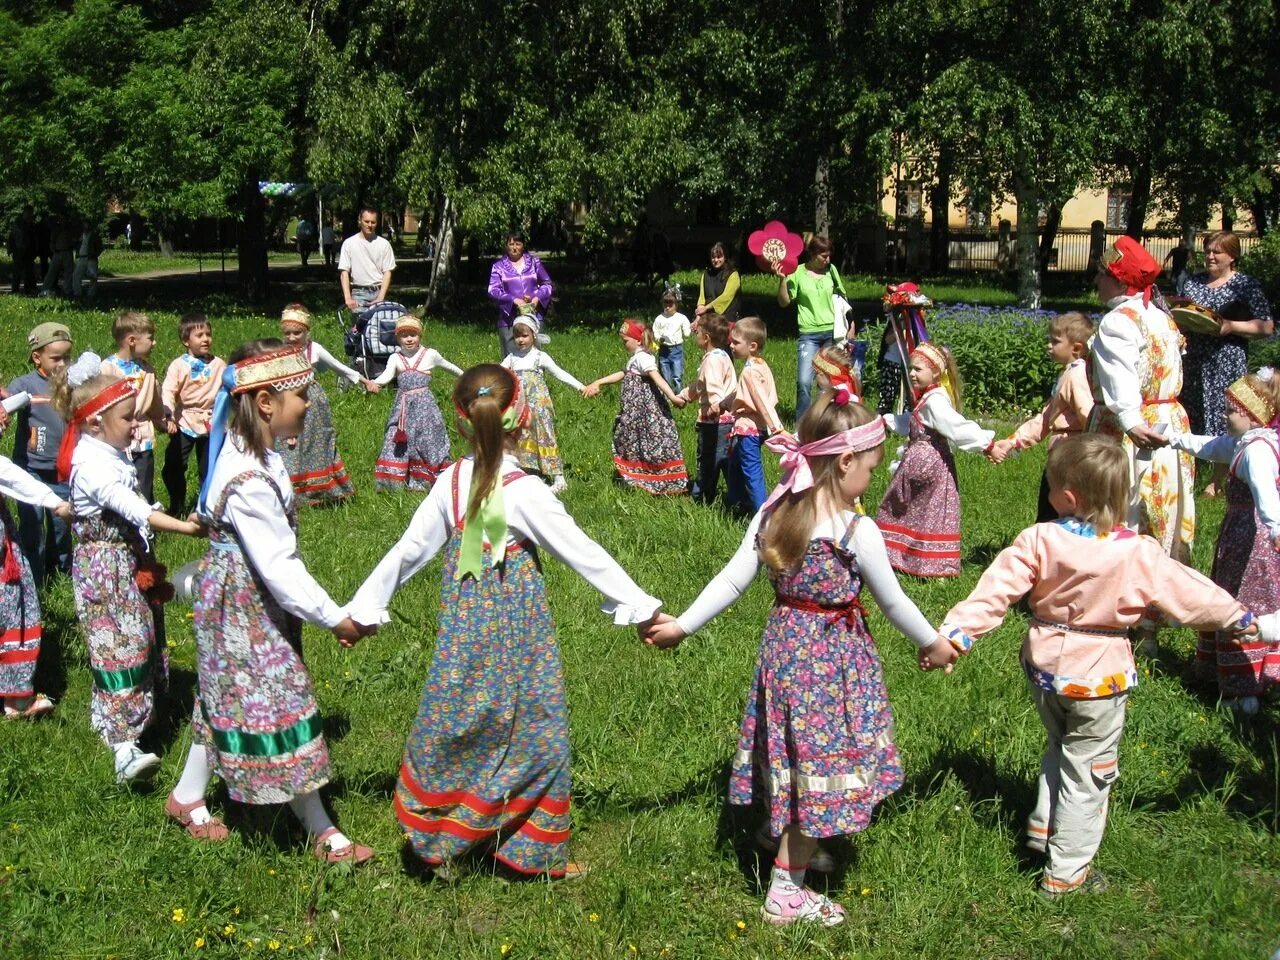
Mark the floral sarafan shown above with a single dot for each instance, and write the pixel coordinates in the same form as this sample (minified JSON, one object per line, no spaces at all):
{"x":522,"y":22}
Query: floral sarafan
{"x":774,"y":243}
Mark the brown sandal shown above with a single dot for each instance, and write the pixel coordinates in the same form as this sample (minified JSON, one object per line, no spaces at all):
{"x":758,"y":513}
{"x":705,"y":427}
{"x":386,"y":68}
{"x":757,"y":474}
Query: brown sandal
{"x":180,"y":813}
{"x":355,"y":852}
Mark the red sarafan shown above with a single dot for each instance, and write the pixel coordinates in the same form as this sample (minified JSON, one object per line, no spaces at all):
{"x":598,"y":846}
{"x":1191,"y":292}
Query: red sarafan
{"x":774,"y":243}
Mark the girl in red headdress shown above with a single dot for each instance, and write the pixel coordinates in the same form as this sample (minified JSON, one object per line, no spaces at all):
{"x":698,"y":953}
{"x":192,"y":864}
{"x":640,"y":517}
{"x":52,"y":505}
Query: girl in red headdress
{"x":646,"y":446}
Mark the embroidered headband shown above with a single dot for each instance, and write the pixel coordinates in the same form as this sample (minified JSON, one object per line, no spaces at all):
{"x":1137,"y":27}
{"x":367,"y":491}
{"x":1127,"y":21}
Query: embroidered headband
{"x":407,"y":321}
{"x":797,"y":476}
{"x":634,"y":330}
{"x":933,"y":356}
{"x":297,"y":316}
{"x":1248,"y":400}
{"x":843,"y":381}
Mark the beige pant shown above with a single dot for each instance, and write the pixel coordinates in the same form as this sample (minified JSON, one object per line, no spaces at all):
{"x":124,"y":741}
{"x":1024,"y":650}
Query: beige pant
{"x":1079,"y":766}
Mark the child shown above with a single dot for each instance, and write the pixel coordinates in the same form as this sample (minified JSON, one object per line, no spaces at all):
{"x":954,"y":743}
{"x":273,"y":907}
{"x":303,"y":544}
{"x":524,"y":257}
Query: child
{"x":538,"y":449}
{"x":46,"y":538}
{"x":669,"y":330}
{"x":714,"y":390}
{"x":319,"y":476}
{"x":1087,"y":579}
{"x":190,"y":385}
{"x":1247,"y":562}
{"x":920,"y":512}
{"x":487,"y":761}
{"x":816,"y":742}
{"x":135,"y":336}
{"x":1069,"y":405}
{"x":111,"y":563}
{"x":416,"y":447}
{"x":833,"y":369}
{"x":755,"y":411}
{"x":646,"y":446}
{"x":20,"y":629}
{"x":256,"y":723}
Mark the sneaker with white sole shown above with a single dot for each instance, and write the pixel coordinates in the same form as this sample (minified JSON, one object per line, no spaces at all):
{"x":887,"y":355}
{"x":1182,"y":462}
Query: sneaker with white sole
{"x":820,"y":862}
{"x":801,"y":905}
{"x":135,"y":764}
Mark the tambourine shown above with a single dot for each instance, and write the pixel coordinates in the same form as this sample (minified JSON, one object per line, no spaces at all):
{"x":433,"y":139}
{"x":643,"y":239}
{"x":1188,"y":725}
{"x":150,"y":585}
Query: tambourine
{"x":1193,"y":318}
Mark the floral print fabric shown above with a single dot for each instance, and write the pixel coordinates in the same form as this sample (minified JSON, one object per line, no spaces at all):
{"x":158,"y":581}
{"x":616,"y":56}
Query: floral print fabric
{"x":920,"y":512}
{"x":646,"y":446}
{"x":419,"y":458}
{"x":20,"y":628}
{"x":319,"y":476}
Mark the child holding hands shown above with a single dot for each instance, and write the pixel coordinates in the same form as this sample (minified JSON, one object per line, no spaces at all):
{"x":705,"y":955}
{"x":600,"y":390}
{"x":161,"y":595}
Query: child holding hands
{"x":817,"y":732}
{"x":539,"y":449}
{"x":190,"y":385}
{"x":135,"y":337}
{"x":755,"y":411}
{"x":714,"y":390}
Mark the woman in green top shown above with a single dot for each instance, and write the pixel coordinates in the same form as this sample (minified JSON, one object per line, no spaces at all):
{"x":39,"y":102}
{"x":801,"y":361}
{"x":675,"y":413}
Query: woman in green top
{"x":812,"y":287}
{"x":719,"y":288}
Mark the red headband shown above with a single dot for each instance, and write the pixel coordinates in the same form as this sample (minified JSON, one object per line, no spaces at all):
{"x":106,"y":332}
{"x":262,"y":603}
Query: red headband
{"x":634,"y":330}
{"x":100,"y":401}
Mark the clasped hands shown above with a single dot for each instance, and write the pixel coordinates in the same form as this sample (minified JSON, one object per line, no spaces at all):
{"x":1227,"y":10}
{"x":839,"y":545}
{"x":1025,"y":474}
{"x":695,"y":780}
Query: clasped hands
{"x":349,"y":633}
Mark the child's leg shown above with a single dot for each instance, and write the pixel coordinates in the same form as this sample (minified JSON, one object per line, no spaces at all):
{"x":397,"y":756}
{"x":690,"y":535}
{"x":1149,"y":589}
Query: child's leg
{"x":144,"y":462}
{"x":331,"y":843}
{"x":676,"y":361}
{"x":202,"y":457}
{"x":752,"y":471}
{"x":724,"y":433}
{"x":1050,"y":781}
{"x":736,"y":493}
{"x":788,"y":899}
{"x":174,"y":473}
{"x":1090,"y":748}
{"x":704,"y":489}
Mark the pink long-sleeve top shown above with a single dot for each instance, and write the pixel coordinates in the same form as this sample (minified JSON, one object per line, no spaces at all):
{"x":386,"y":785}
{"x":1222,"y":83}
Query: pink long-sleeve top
{"x":1085,"y":591}
{"x":755,"y":407}
{"x":1066,"y":412}
{"x":716,"y":386}
{"x":190,"y":386}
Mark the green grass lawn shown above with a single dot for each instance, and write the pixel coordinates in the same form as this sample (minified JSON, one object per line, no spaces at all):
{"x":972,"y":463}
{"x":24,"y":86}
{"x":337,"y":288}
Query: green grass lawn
{"x":88,"y":869}
{"x":123,"y":262}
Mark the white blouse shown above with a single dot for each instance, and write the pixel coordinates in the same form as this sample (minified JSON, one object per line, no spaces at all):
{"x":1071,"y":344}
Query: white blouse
{"x":322,"y":359}
{"x":866,"y":544}
{"x":262,"y":528}
{"x":938,"y":413}
{"x":671,"y":330}
{"x":1115,"y":355}
{"x":1256,"y":465}
{"x":425,"y":359}
{"x":534,"y":513}
{"x":535,"y":359}
{"x":642,"y":362}
{"x":102,"y":478}
{"x":17,"y":484}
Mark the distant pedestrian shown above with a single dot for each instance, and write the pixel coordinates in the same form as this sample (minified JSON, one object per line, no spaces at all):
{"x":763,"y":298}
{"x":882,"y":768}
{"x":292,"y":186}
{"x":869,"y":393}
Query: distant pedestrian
{"x":22,"y":249}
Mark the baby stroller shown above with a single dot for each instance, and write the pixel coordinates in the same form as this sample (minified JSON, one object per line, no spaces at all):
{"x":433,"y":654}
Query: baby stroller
{"x":369,"y":336}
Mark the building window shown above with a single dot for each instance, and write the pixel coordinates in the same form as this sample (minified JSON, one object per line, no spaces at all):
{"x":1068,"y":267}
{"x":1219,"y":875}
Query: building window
{"x":1119,"y":198}
{"x":910,"y":200}
{"x":977,"y":210}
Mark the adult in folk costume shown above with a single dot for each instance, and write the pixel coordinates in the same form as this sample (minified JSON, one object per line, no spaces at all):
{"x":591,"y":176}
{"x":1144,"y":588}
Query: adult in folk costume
{"x":1135,"y":368}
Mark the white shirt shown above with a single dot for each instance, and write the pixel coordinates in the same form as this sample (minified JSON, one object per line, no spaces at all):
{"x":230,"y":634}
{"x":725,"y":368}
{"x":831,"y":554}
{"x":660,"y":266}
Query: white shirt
{"x":261,"y":523}
{"x":671,"y":330}
{"x":866,"y":544}
{"x":17,"y":484}
{"x":322,"y":359}
{"x":366,"y":260}
{"x":642,"y":362}
{"x":102,"y":478}
{"x":425,"y":359}
{"x":937,"y":413}
{"x":535,"y":359}
{"x":534,"y":513}
{"x":1115,"y":354}
{"x":1253,"y":460}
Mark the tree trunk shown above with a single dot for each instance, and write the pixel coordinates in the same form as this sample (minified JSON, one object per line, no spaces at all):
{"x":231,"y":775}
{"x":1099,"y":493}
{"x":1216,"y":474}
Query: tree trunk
{"x":1025,"y":247}
{"x":164,"y":236}
{"x":1228,"y":219}
{"x":252,"y":241}
{"x":1261,"y":212}
{"x":940,"y":228}
{"x":1049,"y":234}
{"x":822,"y":196}
{"x":1139,"y":200}
{"x":442,"y":267}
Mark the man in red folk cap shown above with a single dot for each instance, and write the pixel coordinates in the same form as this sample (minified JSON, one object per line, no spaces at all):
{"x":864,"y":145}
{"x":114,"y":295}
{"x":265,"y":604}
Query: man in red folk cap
{"x":1136,"y":371}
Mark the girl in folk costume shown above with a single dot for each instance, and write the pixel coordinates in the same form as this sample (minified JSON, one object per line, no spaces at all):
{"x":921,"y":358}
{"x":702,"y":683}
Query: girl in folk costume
{"x":646,"y":446}
{"x":816,"y":744}
{"x":112,"y":573}
{"x":256,"y":721}
{"x":487,"y":762}
{"x":416,"y":446}
{"x":317,"y":472}
{"x":1247,"y":562}
{"x":20,"y":628}
{"x":833,"y":368}
{"x":537,"y":449}
{"x":920,"y":512}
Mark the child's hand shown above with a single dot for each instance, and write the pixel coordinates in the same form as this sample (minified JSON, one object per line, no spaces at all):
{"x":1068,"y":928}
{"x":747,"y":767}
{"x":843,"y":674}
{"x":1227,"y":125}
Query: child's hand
{"x":679,"y":402}
{"x":1000,"y":450}
{"x":370,"y":386}
{"x":940,"y":653}
{"x":62,"y":511}
{"x":201,"y":529}
{"x":591,"y":390}
{"x":349,"y":633}
{"x":663,"y":632}
{"x":170,"y":427}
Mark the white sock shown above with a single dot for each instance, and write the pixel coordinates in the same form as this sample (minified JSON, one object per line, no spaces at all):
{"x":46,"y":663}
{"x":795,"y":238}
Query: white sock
{"x":194,"y":782}
{"x":123,"y":750}
{"x":783,"y":880}
{"x":308,"y":808}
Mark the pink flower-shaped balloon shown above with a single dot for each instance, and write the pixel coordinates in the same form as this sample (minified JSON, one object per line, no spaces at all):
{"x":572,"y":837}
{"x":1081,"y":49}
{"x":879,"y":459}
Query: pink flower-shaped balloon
{"x":776,"y":244}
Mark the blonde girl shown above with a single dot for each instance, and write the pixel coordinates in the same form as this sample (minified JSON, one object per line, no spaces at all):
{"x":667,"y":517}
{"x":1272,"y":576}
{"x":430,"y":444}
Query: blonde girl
{"x":539,"y":449}
{"x":833,"y":369}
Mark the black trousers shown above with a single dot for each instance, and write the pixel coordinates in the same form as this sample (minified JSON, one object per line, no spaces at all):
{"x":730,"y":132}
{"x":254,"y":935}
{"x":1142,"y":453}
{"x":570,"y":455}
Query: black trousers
{"x":176,"y":456}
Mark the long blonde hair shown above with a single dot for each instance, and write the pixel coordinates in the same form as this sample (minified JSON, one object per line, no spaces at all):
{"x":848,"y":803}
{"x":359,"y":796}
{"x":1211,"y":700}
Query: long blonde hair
{"x":480,"y":396}
{"x":787,"y":529}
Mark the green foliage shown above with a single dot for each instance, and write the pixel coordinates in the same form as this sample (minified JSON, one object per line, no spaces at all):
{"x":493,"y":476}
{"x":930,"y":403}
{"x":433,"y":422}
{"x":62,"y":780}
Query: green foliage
{"x":1263,"y":263}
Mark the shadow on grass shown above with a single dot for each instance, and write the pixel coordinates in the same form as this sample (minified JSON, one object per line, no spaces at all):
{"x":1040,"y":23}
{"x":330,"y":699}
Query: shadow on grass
{"x":57,"y":641}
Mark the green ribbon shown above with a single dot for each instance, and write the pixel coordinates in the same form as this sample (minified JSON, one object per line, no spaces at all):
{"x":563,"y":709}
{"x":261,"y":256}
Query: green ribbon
{"x":491,"y":522}
{"x":266,"y":744}
{"x":113,"y":681}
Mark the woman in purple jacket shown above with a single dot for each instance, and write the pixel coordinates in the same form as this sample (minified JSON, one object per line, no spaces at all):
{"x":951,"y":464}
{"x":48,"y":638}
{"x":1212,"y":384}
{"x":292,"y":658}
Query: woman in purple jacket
{"x":520,"y":285}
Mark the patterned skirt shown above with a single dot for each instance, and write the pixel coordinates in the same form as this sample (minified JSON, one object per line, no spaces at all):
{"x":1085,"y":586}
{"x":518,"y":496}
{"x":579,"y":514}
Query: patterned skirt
{"x":1210,"y":365}
{"x":119,"y":626}
{"x":256,"y":711}
{"x":920,"y":512}
{"x":319,"y":476}
{"x":537,"y":448}
{"x":486,"y":766}
{"x":816,"y":743}
{"x":415,"y":449}
{"x":646,"y":446}
{"x":20,"y":628}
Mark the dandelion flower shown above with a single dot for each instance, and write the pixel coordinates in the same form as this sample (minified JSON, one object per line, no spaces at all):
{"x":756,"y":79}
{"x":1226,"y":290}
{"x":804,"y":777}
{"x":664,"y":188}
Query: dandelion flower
{"x":593,"y":917}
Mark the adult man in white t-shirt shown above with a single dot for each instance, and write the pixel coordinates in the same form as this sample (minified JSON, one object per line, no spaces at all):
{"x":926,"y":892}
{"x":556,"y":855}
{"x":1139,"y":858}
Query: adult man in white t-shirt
{"x":365,"y":264}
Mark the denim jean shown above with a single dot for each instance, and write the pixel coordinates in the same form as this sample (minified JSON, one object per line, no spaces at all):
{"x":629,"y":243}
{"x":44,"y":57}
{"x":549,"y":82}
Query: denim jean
{"x":807,"y":347}
{"x":45,"y":539}
{"x":746,"y":473}
{"x":671,"y":365}
{"x":713,"y":460}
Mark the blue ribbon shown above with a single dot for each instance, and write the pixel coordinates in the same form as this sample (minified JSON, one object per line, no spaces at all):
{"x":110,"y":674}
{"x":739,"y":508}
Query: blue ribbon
{"x":217,"y":435}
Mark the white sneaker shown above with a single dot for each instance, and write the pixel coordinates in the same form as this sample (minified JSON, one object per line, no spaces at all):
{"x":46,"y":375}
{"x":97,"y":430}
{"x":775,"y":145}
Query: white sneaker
{"x":135,"y":764}
{"x":801,"y":905}
{"x":820,"y":862}
{"x":559,"y":485}
{"x":1246,"y":705}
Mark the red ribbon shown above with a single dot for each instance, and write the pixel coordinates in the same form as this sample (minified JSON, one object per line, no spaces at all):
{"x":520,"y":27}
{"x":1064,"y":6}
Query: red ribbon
{"x":100,"y":401}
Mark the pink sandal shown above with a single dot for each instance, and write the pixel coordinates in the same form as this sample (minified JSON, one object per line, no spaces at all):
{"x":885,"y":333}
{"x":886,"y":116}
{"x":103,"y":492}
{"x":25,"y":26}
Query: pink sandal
{"x":180,"y":813}
{"x":39,"y":706}
{"x":355,"y":852}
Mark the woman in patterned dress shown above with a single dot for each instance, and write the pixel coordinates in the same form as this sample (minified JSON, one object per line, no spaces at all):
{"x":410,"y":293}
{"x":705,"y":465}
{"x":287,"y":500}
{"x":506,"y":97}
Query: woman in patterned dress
{"x":646,"y":446}
{"x":256,"y":721}
{"x":486,"y":767}
{"x":538,"y":449}
{"x":112,"y":572}
{"x":816,"y":745}
{"x":316,"y":471}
